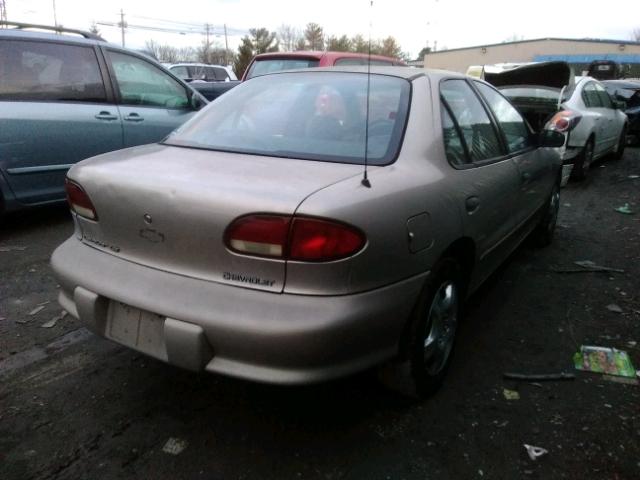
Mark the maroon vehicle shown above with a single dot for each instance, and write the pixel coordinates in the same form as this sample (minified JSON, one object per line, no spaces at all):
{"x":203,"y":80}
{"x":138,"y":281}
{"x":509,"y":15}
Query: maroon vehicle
{"x":276,"y":62}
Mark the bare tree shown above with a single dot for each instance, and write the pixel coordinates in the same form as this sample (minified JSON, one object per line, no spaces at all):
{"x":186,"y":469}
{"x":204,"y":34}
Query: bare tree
{"x":288,"y":37}
{"x":635,"y":34}
{"x":163,"y":53}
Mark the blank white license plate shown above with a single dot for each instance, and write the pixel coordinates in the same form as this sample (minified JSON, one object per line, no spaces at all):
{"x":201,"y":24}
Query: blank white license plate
{"x":137,"y":328}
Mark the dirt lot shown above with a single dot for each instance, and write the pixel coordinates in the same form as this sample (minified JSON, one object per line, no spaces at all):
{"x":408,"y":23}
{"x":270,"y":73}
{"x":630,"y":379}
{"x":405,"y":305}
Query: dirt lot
{"x":74,"y":406}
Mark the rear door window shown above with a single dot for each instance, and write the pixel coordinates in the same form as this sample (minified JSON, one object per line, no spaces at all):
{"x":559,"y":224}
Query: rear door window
{"x":590,"y":96}
{"x":453,"y":144}
{"x":516,"y":132}
{"x":605,"y":99}
{"x":475,"y":125}
{"x":142,"y":83}
{"x":41,"y":71}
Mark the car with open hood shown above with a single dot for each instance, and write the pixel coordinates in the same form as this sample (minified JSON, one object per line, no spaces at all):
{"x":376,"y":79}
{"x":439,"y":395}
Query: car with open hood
{"x":309,"y":224}
{"x":550,"y":96}
{"x":628,"y":93}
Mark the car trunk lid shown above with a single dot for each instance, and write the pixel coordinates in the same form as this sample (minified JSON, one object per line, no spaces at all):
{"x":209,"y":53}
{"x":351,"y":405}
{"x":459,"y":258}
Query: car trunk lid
{"x":536,"y":89}
{"x":168,"y":207}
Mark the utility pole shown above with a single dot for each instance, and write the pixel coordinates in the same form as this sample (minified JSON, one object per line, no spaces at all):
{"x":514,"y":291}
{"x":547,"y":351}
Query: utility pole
{"x":55,"y":15}
{"x":207,"y":45}
{"x":226,"y":45}
{"x":122,"y":25}
{"x":3,"y":10}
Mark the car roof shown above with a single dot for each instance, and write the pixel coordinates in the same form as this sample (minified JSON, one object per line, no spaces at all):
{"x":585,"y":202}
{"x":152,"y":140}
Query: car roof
{"x":321,"y":54}
{"x":49,"y":37}
{"x":194,"y":64}
{"x":407,"y":73}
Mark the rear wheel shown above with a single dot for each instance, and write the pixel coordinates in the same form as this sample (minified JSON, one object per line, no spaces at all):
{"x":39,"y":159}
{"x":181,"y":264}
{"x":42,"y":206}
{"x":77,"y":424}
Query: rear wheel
{"x":431,"y":334}
{"x":543,"y":233}
{"x":622,"y":142}
{"x":584,"y":160}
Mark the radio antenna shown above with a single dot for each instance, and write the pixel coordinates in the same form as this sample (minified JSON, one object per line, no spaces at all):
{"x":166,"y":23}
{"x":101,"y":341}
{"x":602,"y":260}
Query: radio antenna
{"x":365,"y":179}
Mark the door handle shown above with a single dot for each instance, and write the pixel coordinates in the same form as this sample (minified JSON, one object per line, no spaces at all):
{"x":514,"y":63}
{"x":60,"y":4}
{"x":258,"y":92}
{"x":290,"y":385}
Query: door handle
{"x":133,"y":117}
{"x":472,"y":204}
{"x":104,"y":115}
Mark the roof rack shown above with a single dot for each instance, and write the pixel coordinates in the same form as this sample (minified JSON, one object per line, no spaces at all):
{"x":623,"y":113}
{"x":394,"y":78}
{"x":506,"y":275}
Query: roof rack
{"x":58,"y":29}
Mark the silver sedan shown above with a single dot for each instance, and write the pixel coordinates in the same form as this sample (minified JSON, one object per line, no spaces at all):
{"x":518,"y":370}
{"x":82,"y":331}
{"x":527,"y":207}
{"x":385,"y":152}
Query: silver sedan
{"x":308,"y":225}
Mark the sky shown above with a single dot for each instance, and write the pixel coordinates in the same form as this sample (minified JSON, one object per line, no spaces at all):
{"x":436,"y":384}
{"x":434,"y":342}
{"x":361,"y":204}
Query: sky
{"x":414,"y":24}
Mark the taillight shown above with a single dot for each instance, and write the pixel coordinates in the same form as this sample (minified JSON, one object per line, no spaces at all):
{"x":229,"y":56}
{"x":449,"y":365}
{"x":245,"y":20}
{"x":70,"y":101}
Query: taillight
{"x":564,"y":121}
{"x":79,"y":201}
{"x":293,"y":238}
{"x":263,"y":235}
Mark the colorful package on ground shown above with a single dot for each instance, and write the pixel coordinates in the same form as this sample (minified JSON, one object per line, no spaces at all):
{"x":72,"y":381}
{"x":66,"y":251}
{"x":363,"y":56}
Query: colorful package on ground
{"x":604,"y":360}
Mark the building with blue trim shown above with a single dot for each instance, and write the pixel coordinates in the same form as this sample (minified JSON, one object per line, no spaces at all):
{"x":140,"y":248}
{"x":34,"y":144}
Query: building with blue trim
{"x":577,"y":52}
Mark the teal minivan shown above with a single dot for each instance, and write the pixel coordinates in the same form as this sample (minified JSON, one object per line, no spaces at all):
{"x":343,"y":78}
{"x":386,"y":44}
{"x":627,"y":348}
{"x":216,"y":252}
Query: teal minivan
{"x":65,"y":98}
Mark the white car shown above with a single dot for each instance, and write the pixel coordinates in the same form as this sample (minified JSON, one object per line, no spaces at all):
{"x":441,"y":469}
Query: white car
{"x":202,"y":72}
{"x":549,"y":95}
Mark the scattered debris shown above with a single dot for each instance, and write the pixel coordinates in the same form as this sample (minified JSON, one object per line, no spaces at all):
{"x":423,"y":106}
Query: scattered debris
{"x":540,"y":377}
{"x":46,"y":302}
{"x":566,"y":204}
{"x":623,"y":380}
{"x":12,"y":248}
{"x":50,"y":324}
{"x":633,"y":177}
{"x":630,"y":343}
{"x":36,"y":310}
{"x":624,"y":209}
{"x":175,"y":446}
{"x":535,"y":452}
{"x":510,"y":394}
{"x":614,"y":308}
{"x":589,"y":265}
{"x":604,"y":360}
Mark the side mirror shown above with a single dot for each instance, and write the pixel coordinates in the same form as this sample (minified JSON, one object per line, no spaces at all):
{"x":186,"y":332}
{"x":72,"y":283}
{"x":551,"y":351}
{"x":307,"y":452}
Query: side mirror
{"x":551,"y":139}
{"x":196,"y":101}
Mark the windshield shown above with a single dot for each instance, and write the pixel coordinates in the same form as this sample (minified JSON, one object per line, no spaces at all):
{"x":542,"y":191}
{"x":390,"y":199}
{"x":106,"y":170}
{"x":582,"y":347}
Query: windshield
{"x":308,"y":116}
{"x":273,"y":65}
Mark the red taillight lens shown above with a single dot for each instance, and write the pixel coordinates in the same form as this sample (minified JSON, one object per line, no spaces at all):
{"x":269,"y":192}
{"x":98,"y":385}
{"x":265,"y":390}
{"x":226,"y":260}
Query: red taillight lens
{"x":564,"y":121}
{"x":79,"y":201}
{"x":298,"y":238}
{"x":263,"y":235}
{"x":314,"y":240}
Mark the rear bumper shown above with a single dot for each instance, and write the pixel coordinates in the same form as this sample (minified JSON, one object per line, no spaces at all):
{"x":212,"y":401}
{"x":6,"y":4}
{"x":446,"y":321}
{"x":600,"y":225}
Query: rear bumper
{"x":257,"y":335}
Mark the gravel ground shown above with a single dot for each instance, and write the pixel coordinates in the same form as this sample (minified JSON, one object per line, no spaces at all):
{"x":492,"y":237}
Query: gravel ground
{"x":74,"y":406}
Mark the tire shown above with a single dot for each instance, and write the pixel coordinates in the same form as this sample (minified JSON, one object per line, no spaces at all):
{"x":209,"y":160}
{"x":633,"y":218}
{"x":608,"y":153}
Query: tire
{"x":543,"y":233}
{"x":584,"y":160}
{"x":622,"y":143}
{"x":432,"y":331}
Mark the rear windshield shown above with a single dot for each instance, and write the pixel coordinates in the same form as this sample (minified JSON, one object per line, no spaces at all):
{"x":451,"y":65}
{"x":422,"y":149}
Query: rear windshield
{"x":303,"y":115}
{"x":272,"y":65}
